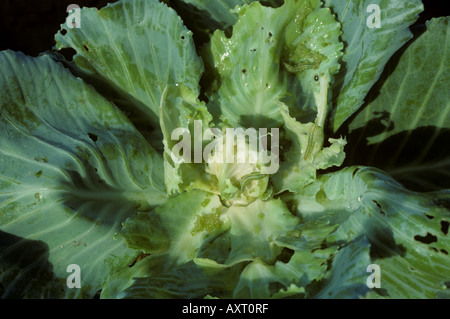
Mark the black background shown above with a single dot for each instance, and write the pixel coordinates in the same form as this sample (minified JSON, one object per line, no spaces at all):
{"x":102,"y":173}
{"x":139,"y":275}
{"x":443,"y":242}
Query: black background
{"x":29,"y":26}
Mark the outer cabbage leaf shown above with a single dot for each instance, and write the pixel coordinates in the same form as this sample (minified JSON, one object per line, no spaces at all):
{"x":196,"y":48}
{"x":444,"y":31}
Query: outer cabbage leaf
{"x":272,"y":53}
{"x":140,"y":48}
{"x":407,"y":231}
{"x":408,"y":116}
{"x":347,"y":277}
{"x":72,"y":168}
{"x":367,"y":49}
{"x":187,"y":281}
{"x":157,"y":70}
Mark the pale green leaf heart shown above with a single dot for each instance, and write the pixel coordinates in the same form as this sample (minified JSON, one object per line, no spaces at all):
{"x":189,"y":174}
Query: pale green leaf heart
{"x":409,"y":117}
{"x":407,"y":231}
{"x":367,"y":47}
{"x":139,"y":48}
{"x":72,"y":168}
{"x":238,"y":170}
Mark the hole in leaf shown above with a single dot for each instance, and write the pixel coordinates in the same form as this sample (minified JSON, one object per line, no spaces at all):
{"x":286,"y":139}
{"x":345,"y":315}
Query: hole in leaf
{"x":67,"y":53}
{"x":429,"y":216}
{"x":97,"y":294}
{"x":379,"y":207}
{"x":270,"y":34}
{"x":383,"y":244}
{"x":445,"y":203}
{"x":444,"y":251}
{"x":285,"y":255}
{"x":444,"y":226}
{"x":274,"y":287}
{"x":292,"y":206}
{"x":381,"y":291}
{"x":93,"y":137}
{"x":244,"y":71}
{"x":183,"y":37}
{"x":139,"y":257}
{"x":63,"y":31}
{"x":85,"y":47}
{"x":428,"y":239}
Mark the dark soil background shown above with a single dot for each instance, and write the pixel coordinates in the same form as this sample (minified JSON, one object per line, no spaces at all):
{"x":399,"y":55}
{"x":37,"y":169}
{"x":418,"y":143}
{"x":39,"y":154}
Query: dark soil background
{"x":29,"y":26}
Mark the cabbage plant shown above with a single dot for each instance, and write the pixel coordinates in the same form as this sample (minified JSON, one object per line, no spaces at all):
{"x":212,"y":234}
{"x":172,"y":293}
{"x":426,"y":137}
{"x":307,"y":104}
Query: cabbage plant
{"x":113,"y":182}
